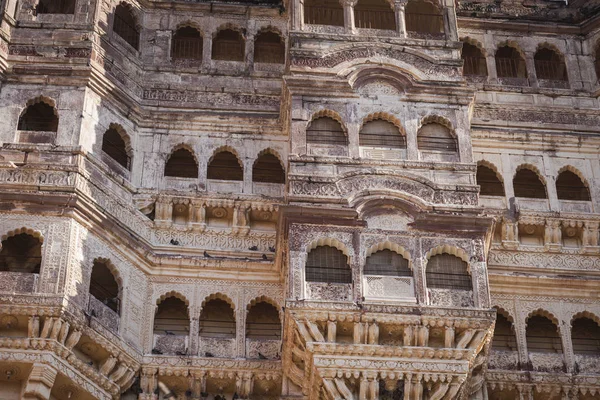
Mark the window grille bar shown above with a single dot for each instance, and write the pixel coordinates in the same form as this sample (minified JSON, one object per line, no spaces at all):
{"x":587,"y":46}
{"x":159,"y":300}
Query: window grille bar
{"x":319,"y":15}
{"x":187,"y":48}
{"x":128,"y":32}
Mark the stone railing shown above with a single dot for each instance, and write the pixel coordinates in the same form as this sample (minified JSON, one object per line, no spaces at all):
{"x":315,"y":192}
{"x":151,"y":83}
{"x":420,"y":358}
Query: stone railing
{"x":575,"y":206}
{"x":547,"y":362}
{"x":588,"y":364}
{"x":329,"y":291}
{"x":503,"y":359}
{"x":451,"y":297}
{"x":216,"y":347}
{"x":553,"y":84}
{"x":389,"y":288}
{"x":18,"y":282}
{"x":270,"y":349}
{"x":103,"y":314}
{"x":171,"y":182}
{"x":493,"y":201}
{"x":268,"y":189}
{"x":171,"y":344}
{"x":220,"y":186}
{"x":534,"y":204}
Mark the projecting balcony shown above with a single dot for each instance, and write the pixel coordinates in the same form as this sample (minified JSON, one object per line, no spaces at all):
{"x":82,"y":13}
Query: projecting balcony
{"x":389,"y":288}
{"x":104,"y":314}
{"x":216,"y":347}
{"x":18,"y":282}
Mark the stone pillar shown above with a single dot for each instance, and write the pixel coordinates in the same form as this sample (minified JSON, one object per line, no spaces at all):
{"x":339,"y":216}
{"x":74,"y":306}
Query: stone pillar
{"x":349,"y":15}
{"x":412,"y":127}
{"x":194,"y":331}
{"x":399,"y":9}
{"x":149,"y":383}
{"x":40,"y":382}
{"x":450,"y":22}
{"x":353,"y":139}
{"x":249,"y":51}
{"x":241,"y":332}
{"x":206,"y":51}
{"x":567,"y":345}
{"x":530,"y":64}
{"x":248,"y":164}
{"x":297,"y":14}
{"x":490,"y":61}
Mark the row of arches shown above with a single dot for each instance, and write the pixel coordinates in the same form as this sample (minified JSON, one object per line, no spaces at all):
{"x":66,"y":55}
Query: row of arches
{"x":329,"y":264}
{"x":528,"y":183}
{"x":510,"y":61}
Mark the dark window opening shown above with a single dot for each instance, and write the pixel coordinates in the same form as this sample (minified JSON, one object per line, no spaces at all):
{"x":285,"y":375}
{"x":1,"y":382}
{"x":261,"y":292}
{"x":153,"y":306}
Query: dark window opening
{"x":268,"y":169}
{"x":181,"y":164}
{"x":550,"y":65}
{"x":527,"y":184}
{"x":504,"y":336}
{"x":423,"y":17}
{"x":325,"y":130}
{"x":125,"y":26}
{"x":488,"y":181}
{"x":269,"y":48}
{"x":225,"y":166}
{"x":114,"y":146}
{"x":473,"y":61}
{"x":542,"y":336}
{"x":187,"y":44}
{"x":217,"y":320}
{"x":569,"y":186}
{"x":21,"y":253}
{"x":39,"y":117}
{"x":172,"y":318}
{"x":387,"y":263}
{"x":374,"y":14}
{"x":380,"y":133}
{"x":328,"y":265}
{"x":228,"y":45}
{"x":446,"y":271}
{"x":436,"y":137}
{"x":323,"y":12}
{"x":104,"y":287}
{"x":585,"y":336}
{"x":509,"y":63}
{"x":263,"y":322}
{"x":56,"y":7}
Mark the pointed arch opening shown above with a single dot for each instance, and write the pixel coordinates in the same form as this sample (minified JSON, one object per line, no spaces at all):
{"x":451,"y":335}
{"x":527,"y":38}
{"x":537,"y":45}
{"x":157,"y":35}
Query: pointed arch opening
{"x":104,"y":286}
{"x":114,"y":146}
{"x":217,"y":320}
{"x":489,"y":182}
{"x":172,"y":318}
{"x":262,"y":322}
{"x":228,"y":45}
{"x":187,"y":44}
{"x":269,"y":47}
{"x":181,"y":164}
{"x":550,"y":65}
{"x":504,"y":335}
{"x":56,"y":7}
{"x":327,"y":264}
{"x":569,"y":186}
{"x":424,"y":17}
{"x":374,"y":14}
{"x":510,"y":63}
{"x":433,"y":136}
{"x":380,"y":133}
{"x":447,"y":271}
{"x":387,"y":263}
{"x":585,"y":336}
{"x":268,"y":169}
{"x":22,"y":253}
{"x":225,"y":166}
{"x":542,"y":335}
{"x":326,"y":130}
{"x":474,"y":63}
{"x":527,"y":184}
{"x":323,"y":12}
{"x":39,"y":117}
{"x":125,"y":25}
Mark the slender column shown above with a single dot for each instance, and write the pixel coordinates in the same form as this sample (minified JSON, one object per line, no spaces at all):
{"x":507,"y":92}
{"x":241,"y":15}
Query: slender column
{"x":450,"y":24}
{"x":349,"y":24}
{"x":567,"y":344}
{"x":40,"y":382}
{"x":399,"y":9}
{"x":298,"y":14}
{"x":531,"y":75}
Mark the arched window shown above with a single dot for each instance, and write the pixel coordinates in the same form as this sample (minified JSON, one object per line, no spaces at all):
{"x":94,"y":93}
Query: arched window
{"x":325,"y":130}
{"x":263,"y":322}
{"x":187,"y":44}
{"x":504,"y":335}
{"x":446,"y":271}
{"x":597,"y":62}
{"x":114,"y":146}
{"x":488,"y":181}
{"x":585,"y":335}
{"x":104,"y":286}
{"x":542,"y":336}
{"x":569,"y":186}
{"x":21,"y":253}
{"x":181,"y":164}
{"x":436,"y":137}
{"x":225,"y":166}
{"x":380,"y":133}
{"x":510,"y":63}
{"x":39,"y":117}
{"x":387,"y":263}
{"x":328,"y":265}
{"x":125,"y":25}
{"x":550,"y":65}
{"x":424,"y":17}
{"x":473,"y":61}
{"x":323,"y":12}
{"x":217,"y":320}
{"x":267,"y":168}
{"x":56,"y":7}
{"x":374,"y":14}
{"x":228,"y":45}
{"x":527,"y":184}
{"x":172,"y":318}
{"x":269,"y":48}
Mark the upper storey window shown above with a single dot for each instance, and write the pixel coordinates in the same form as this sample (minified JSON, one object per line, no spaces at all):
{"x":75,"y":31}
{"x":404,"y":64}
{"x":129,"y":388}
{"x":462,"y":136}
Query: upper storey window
{"x":56,"y":7}
{"x":473,"y":61}
{"x":380,"y":139}
{"x":550,"y":65}
{"x":269,"y":48}
{"x":268,"y":169}
{"x":104,"y":286}
{"x":323,"y":12}
{"x":423,"y":17}
{"x":225,"y":166}
{"x":510,"y":63}
{"x":374,"y":14}
{"x":446,"y":271}
{"x":328,"y":265}
{"x":504,"y":336}
{"x":187,"y":44}
{"x":125,"y":25}
{"x":114,"y":146}
{"x":182,"y":164}
{"x":21,"y":253}
{"x":436,"y":137}
{"x":597,"y":62}
{"x":488,"y":181}
{"x":527,"y":184}
{"x":39,"y":117}
{"x":387,"y":263}
{"x":228,"y":45}
{"x":326,"y":130}
{"x":569,"y":186}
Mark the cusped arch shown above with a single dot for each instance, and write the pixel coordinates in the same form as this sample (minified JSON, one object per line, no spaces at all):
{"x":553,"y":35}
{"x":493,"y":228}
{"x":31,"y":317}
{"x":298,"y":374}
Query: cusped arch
{"x":533,"y":169}
{"x":576,"y":171}
{"x":49,"y":101}
{"x":331,"y":242}
{"x":113,"y":270}
{"x":476,"y":43}
{"x":268,"y":300}
{"x":35,"y":233}
{"x":492,"y":166}
{"x":551,"y":47}
{"x":540,"y":312}
{"x":175,"y":294}
{"x":387,"y":245}
{"x":384,"y":116}
{"x":124,"y":135}
{"x":585,"y":314}
{"x":272,"y":152}
{"x":327,"y":113}
{"x":511,"y":43}
{"x":505,"y":314}
{"x":229,"y":149}
{"x":448,"y":249}
{"x":218,"y":296}
{"x":438,"y":119}
{"x":228,"y":26}
{"x":189,"y":24}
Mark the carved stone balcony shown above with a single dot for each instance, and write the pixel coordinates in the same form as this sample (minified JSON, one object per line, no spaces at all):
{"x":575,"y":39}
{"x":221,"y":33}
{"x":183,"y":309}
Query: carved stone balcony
{"x":588,"y":363}
{"x":329,"y":291}
{"x":171,"y":344}
{"x":553,"y":84}
{"x":268,"y":189}
{"x":172,"y":182}
{"x":220,"y":186}
{"x":502,"y":359}
{"x":18,"y":282}
{"x":103,"y":314}
{"x":389,"y":288}
{"x":533,"y":204}
{"x":270,"y":349}
{"x":575,"y":206}
{"x":451,"y":297}
{"x":547,"y":362}
{"x":37,"y":137}
{"x":498,"y":202}
{"x":217,"y":347}
{"x":514,"y":81}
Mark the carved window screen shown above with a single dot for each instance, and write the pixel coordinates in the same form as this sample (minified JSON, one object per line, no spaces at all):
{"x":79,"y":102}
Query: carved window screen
{"x":39,"y":117}
{"x":504,"y":336}
{"x":328,"y":265}
{"x":114,"y":146}
{"x":263,"y":322}
{"x":387,"y":263}
{"x":436,"y":137}
{"x":380,"y":133}
{"x":323,"y":12}
{"x":225,"y":166}
{"x":510,"y":63}
{"x":269,"y":48}
{"x":446,"y":271}
{"x":187,"y":44}
{"x":473,"y":61}
{"x":585,"y":336}
{"x":570,"y":187}
{"x":217,"y":320}
{"x":104,"y":287}
{"x":542,"y":336}
{"x":125,"y":26}
{"x":423,"y":17}
{"x":550,"y":65}
{"x":21,"y":253}
{"x":268,"y":169}
{"x":181,"y":164}
{"x":228,"y":45}
{"x":56,"y":7}
{"x":488,"y":181}
{"x":325,"y":130}
{"x":528,"y":185}
{"x":172,"y":318}
{"x":374,"y":14}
